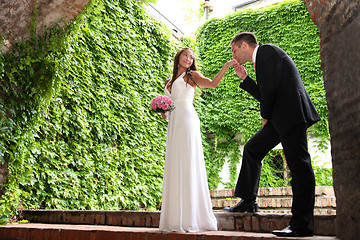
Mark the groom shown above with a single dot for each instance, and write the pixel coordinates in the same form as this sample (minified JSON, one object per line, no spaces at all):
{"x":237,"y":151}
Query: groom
{"x":287,"y":112}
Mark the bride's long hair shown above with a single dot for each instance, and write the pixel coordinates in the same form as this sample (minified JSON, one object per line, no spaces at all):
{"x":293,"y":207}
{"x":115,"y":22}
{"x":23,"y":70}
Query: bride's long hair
{"x":188,"y":73}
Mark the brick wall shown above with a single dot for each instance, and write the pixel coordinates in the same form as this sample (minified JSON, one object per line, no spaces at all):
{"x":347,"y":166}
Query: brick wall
{"x":246,"y":222}
{"x":278,"y":200}
{"x":339,"y":26}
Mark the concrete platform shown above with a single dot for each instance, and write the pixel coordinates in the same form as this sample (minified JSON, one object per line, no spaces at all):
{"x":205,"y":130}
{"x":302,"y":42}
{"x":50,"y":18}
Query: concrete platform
{"x":324,"y":225}
{"x":36,"y":231}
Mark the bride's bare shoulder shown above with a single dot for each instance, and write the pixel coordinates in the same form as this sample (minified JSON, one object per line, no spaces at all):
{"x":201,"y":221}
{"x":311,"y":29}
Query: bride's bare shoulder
{"x":196,"y":74}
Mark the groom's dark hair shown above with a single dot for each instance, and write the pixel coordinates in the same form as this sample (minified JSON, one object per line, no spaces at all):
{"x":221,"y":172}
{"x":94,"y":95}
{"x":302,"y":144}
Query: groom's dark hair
{"x":247,"y":37}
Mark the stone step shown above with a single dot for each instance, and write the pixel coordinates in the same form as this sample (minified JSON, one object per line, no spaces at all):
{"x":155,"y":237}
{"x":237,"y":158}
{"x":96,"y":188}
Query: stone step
{"x":246,"y":222}
{"x":37,"y":231}
{"x":323,"y":204}
{"x":274,"y":191}
{"x":277,"y":200}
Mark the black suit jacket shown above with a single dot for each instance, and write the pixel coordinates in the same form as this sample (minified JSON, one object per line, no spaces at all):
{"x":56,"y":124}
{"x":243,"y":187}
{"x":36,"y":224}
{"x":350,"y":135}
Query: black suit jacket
{"x":280,"y":90}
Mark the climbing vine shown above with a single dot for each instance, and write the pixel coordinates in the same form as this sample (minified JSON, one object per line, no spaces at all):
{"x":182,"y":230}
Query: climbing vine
{"x":76,"y":129}
{"x":230,"y":116}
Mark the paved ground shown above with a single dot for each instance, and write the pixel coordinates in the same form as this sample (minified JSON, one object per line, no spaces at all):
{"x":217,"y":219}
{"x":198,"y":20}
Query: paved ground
{"x":32,"y":231}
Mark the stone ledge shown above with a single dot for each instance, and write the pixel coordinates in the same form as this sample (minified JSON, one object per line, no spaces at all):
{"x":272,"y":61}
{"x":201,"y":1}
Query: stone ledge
{"x":267,"y":222}
{"x":94,"y":217}
{"x":275,"y":191}
{"x":277,"y":200}
{"x":86,"y":232}
{"x":254,"y":222}
{"x":280,"y":202}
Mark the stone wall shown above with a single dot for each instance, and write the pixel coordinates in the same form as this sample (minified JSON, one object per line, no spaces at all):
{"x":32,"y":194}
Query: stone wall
{"x":16,"y":16}
{"x":3,"y":176}
{"x":277,"y":200}
{"x":239,"y":222}
{"x":339,"y":25}
{"x":15,"y":25}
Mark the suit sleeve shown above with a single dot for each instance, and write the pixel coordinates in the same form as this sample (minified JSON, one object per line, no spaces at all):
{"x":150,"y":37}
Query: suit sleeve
{"x":268,"y":78}
{"x":251,"y":87}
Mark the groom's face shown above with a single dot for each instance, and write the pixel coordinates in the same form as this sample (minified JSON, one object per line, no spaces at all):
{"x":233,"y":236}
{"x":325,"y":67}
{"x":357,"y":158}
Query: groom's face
{"x":238,"y":53}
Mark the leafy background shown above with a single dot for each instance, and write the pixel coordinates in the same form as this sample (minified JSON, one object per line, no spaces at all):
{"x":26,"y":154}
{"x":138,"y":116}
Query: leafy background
{"x":229,"y":115}
{"x":76,"y":131}
{"x":79,"y":131}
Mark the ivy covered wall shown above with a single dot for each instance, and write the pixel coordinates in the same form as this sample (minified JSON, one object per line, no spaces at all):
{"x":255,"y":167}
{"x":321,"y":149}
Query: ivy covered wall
{"x":77,"y":132}
{"x":229,"y":115}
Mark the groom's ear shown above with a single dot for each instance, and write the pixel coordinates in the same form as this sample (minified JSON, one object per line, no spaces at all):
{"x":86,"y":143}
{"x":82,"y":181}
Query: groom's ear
{"x":245,"y":45}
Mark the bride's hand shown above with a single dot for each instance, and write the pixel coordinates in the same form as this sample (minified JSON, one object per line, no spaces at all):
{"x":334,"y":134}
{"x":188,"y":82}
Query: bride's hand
{"x":163,"y":116}
{"x":232,"y":62}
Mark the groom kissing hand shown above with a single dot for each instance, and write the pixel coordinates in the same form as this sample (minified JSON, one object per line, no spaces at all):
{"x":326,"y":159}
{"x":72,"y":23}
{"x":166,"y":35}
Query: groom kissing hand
{"x":287,"y":112}
{"x":241,"y":72}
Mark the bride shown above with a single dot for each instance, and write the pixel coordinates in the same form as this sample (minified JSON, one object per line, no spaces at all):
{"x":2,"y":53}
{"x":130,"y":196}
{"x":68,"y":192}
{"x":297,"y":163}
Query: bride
{"x":186,"y":204}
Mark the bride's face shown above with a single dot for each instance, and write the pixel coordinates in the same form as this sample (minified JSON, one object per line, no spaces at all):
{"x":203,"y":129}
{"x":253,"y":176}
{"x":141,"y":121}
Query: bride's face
{"x":186,"y":59}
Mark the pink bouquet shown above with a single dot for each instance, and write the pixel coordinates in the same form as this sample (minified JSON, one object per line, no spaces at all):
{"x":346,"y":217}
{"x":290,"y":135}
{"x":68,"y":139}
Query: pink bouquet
{"x":162,"y":104}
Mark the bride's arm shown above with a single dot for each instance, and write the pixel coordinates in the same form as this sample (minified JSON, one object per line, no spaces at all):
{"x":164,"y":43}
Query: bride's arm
{"x":205,"y":82}
{"x":163,"y":115}
{"x":166,"y":81}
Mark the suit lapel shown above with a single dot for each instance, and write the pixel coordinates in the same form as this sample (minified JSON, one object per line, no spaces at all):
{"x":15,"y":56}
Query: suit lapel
{"x":256,"y":57}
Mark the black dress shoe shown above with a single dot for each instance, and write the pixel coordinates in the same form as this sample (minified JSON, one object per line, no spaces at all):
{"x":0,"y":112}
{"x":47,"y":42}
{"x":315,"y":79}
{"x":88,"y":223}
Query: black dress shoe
{"x":243,"y":206}
{"x":292,"y":232}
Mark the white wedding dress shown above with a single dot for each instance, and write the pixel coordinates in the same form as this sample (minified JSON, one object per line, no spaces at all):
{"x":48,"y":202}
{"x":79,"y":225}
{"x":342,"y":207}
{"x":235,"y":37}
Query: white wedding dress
{"x":186,"y":204}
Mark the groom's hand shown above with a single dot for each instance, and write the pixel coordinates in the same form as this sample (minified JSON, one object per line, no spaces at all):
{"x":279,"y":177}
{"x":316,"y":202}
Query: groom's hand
{"x":240,"y":71}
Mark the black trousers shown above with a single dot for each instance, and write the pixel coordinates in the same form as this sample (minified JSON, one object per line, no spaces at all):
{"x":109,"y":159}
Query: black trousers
{"x":295,"y":148}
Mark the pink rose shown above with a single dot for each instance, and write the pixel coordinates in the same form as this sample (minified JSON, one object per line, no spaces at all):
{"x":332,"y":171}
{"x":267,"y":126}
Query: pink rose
{"x":165,"y":106}
{"x":153,"y":106}
{"x":161,"y":103}
{"x":168,"y":101}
